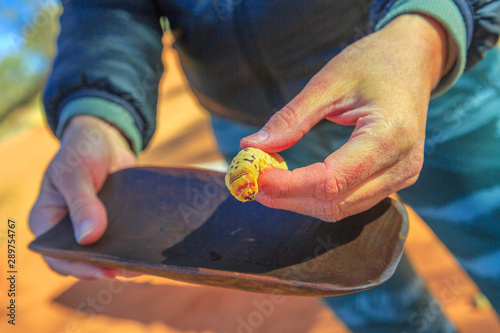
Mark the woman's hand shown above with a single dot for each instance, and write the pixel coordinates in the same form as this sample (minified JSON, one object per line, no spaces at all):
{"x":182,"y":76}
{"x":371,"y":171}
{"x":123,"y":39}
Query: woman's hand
{"x":382,"y":85}
{"x":90,"y":150}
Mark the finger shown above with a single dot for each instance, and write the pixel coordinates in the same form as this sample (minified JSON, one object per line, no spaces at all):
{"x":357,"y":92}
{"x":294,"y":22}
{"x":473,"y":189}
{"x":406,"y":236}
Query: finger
{"x":282,"y":131}
{"x":324,"y":210}
{"x":380,"y":185}
{"x":353,"y":201}
{"x":48,"y":209}
{"x":79,"y":269}
{"x":86,"y":211}
{"x":318,"y":100}
{"x":301,"y":182}
{"x":365,"y":154}
{"x":127,"y":274}
{"x":328,"y":211}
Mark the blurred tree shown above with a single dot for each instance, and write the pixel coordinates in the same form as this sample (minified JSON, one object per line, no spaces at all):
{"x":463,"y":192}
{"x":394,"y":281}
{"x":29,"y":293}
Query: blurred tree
{"x":27,"y":44}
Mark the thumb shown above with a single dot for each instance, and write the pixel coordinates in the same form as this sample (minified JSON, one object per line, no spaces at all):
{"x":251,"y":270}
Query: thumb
{"x":87,"y":212}
{"x":294,"y":120}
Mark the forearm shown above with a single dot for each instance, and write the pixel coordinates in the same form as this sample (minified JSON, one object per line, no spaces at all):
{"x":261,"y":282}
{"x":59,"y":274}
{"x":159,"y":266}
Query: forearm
{"x":473,"y":27}
{"x":108,"y":65}
{"x":431,"y":40}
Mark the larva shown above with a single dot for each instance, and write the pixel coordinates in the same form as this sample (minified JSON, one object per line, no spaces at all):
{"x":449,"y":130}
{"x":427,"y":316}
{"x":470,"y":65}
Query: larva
{"x":243,"y":172}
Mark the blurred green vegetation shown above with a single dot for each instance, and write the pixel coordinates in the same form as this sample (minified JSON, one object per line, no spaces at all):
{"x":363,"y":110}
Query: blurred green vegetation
{"x":30,"y":52}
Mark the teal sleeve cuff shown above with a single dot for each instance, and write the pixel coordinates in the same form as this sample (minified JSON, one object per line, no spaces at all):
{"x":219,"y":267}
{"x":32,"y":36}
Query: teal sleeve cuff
{"x":111,"y":112}
{"x":448,"y":14}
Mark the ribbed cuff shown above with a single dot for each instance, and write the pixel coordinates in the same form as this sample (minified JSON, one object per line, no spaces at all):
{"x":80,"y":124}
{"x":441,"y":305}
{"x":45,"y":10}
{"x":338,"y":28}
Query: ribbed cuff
{"x":111,"y":112}
{"x":448,"y":14}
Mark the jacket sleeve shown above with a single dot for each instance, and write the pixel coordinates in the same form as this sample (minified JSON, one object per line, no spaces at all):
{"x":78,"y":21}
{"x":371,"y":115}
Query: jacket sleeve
{"x":108,"y":65}
{"x":473,"y":25}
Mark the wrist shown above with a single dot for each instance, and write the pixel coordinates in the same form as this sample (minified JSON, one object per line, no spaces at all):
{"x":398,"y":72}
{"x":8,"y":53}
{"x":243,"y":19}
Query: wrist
{"x":104,"y":110}
{"x":430,"y":38}
{"x":97,"y":127}
{"x":448,"y":48}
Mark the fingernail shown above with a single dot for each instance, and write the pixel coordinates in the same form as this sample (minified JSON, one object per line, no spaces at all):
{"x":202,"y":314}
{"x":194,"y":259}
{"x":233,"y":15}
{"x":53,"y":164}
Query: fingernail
{"x":260,"y":136}
{"x":83,"y":230}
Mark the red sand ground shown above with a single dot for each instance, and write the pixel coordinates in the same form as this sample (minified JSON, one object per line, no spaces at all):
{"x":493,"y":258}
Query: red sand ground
{"x":47,"y":302}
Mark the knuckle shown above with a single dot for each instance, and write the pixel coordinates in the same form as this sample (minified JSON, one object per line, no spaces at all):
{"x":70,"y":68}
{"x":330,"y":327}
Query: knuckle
{"x":410,"y":171}
{"x":57,"y":174}
{"x":52,"y":172}
{"x":395,"y":135}
{"x":416,"y":162}
{"x":331,"y":212}
{"x":79,"y":206}
{"x":405,"y":133}
{"x":332,"y":186}
{"x":33,"y":219}
{"x":416,"y":168}
{"x":286,"y":116}
{"x":386,"y":145}
{"x":410,"y":181}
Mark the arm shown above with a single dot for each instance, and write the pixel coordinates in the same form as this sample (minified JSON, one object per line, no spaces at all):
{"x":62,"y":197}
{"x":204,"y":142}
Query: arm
{"x":472,"y":26}
{"x":108,"y":65}
{"x":381,"y":85}
{"x":100,"y":101}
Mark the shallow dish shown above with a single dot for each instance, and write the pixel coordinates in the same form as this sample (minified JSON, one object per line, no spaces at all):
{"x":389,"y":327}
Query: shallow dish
{"x":182,"y":224}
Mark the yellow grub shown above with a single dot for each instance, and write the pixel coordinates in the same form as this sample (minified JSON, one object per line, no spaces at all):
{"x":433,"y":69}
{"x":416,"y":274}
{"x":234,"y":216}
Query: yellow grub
{"x":242,"y":174}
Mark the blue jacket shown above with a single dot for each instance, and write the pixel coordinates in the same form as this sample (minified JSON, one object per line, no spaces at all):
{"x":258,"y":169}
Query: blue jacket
{"x":243,"y":59}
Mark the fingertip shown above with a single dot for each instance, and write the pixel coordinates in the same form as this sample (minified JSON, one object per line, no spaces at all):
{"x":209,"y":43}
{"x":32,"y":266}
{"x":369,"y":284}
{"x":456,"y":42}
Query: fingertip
{"x":88,"y":232}
{"x":108,"y":273}
{"x":264,"y":199}
{"x":80,"y":270}
{"x":89,"y":222}
{"x":84,"y":231}
{"x":271,"y":181}
{"x":127,"y":274}
{"x":255,"y":139}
